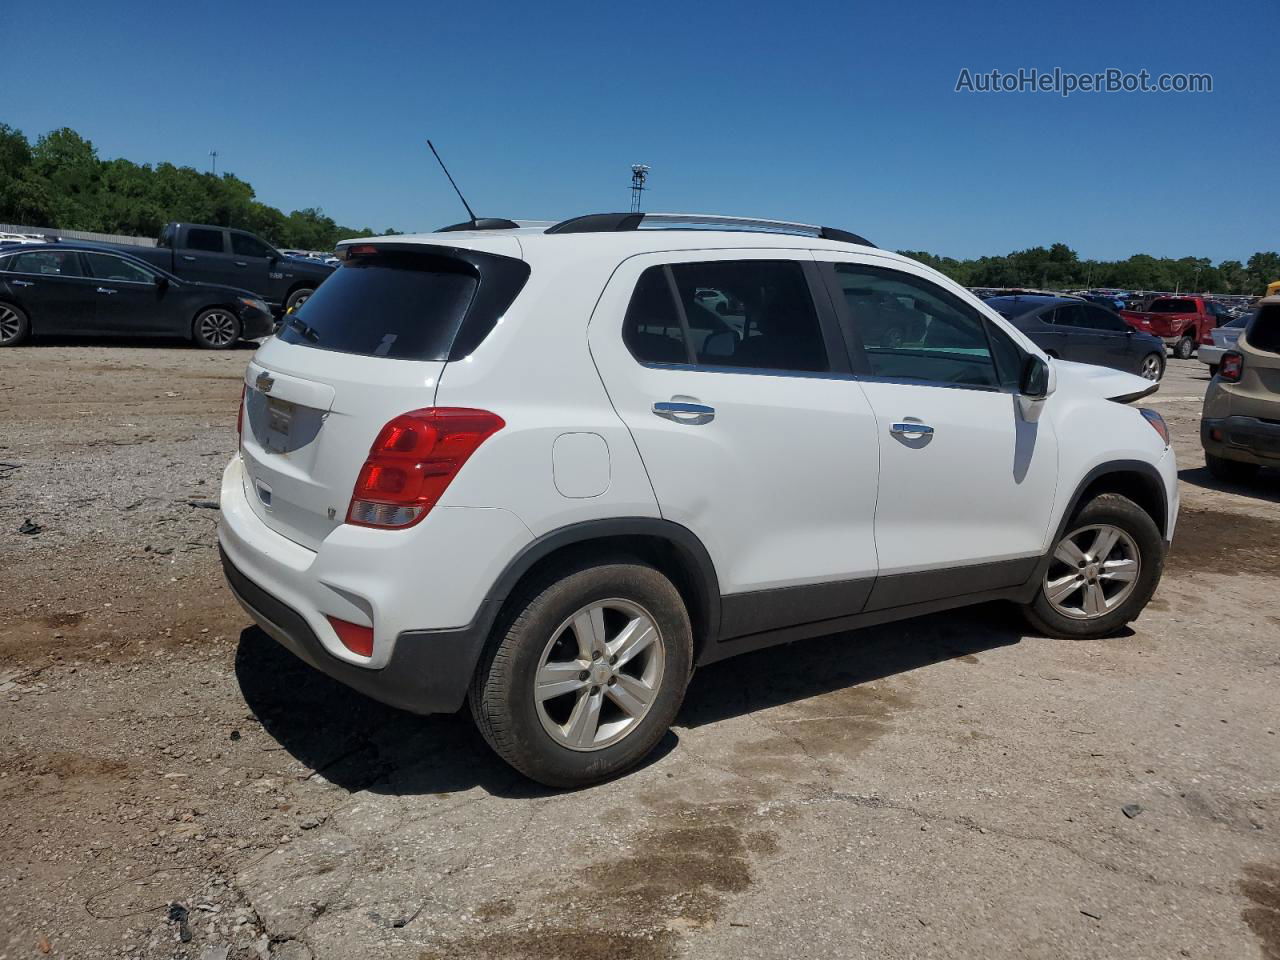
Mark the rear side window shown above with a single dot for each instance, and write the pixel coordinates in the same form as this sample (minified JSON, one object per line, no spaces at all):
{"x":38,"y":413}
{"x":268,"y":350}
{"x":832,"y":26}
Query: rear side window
{"x":1172,"y":306}
{"x":408,"y":305}
{"x":207,"y":240}
{"x":738,"y":314}
{"x":49,"y":263}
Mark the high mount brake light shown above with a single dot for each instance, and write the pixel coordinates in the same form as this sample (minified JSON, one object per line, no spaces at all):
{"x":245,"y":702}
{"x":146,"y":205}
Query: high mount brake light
{"x":1157,"y":423}
{"x":363,"y":250}
{"x":413,"y":460}
{"x":1231,"y":367}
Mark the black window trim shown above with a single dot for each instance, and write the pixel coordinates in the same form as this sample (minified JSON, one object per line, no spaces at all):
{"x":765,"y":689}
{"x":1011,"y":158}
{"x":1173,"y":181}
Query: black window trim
{"x":857,"y":352}
{"x":832,"y":341}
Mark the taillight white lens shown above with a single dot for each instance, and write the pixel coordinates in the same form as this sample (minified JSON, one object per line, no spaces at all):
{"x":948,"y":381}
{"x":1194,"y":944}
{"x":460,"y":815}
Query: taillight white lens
{"x":413,"y":460}
{"x":1231,"y":367}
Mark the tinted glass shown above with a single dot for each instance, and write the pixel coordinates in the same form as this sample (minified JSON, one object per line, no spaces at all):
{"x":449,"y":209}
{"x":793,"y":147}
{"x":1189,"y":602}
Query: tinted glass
{"x":1012,"y":308}
{"x":210,"y":240}
{"x":912,"y":329}
{"x":752,"y":314}
{"x":1264,"y":332}
{"x":104,"y":266}
{"x":1240,"y":321}
{"x":652,"y":330}
{"x":1098,"y":319}
{"x":1172,"y":306}
{"x":398,"y":305}
{"x":52,"y":263}
{"x":246,"y":246}
{"x":744,"y":314}
{"x":1069,"y":315}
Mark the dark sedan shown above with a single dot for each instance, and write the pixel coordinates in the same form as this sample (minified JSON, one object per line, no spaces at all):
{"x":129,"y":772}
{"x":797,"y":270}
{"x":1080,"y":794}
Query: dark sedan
{"x":1086,"y":332}
{"x":80,"y":289}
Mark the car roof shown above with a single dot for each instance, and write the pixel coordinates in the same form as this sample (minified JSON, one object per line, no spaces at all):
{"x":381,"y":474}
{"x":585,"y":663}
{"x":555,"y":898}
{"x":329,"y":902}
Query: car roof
{"x":1031,"y":301}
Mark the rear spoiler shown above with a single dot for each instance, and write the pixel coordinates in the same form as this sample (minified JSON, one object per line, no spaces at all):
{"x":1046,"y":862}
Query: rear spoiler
{"x":1130,"y":397}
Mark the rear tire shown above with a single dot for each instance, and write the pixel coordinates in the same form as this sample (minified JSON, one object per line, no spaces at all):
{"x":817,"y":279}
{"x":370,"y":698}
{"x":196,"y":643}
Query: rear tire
{"x":1102,"y":571}
{"x":1230,"y":471}
{"x":297,"y":298}
{"x":608,"y":716}
{"x":1153,"y":367}
{"x":1213,"y":369}
{"x":1185,"y":348}
{"x":15,"y":326}
{"x":216,"y":329}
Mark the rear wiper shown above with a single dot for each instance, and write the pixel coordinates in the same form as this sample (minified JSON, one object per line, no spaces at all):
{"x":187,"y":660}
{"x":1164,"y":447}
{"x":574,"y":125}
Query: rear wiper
{"x":306,"y":330}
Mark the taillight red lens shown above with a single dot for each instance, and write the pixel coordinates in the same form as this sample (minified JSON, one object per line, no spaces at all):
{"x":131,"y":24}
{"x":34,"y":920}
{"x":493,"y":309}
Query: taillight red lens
{"x":413,"y":460}
{"x":1231,"y":367}
{"x":354,"y":637}
{"x":1157,"y":423}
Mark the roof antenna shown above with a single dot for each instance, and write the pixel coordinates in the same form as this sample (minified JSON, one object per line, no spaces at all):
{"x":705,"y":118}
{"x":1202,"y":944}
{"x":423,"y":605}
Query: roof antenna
{"x":470,"y":212}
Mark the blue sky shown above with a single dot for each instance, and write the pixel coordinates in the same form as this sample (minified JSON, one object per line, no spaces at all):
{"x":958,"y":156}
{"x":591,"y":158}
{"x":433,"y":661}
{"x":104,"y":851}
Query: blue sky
{"x":839,"y":113}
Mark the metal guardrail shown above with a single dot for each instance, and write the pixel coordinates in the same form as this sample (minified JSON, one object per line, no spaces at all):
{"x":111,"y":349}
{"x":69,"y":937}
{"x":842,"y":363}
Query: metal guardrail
{"x":78,"y":235}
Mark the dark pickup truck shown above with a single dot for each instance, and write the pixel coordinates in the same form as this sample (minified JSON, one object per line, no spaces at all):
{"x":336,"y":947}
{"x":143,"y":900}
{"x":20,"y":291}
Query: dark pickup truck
{"x":234,"y":258}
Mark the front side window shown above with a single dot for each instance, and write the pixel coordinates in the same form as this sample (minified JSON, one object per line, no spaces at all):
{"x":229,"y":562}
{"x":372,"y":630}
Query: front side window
{"x":103,"y":266}
{"x":1172,"y":306}
{"x":244,"y":245}
{"x":737,"y":314}
{"x":912,"y":329}
{"x":208,"y":240}
{"x":47,"y":263}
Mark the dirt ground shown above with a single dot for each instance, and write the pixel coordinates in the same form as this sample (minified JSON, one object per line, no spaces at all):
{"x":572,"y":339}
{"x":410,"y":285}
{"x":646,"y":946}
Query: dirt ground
{"x":173,"y":784}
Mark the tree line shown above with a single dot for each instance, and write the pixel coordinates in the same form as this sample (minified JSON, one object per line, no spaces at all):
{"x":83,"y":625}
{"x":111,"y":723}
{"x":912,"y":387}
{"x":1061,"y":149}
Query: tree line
{"x":1059,"y":268}
{"x":61,"y":182}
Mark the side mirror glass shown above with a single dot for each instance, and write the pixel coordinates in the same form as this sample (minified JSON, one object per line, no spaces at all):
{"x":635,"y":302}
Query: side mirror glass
{"x":1035,"y":378}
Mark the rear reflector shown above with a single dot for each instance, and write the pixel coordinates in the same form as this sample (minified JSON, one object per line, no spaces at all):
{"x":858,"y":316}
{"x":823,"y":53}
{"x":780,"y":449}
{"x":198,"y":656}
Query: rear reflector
{"x":354,"y":637}
{"x":413,"y":460}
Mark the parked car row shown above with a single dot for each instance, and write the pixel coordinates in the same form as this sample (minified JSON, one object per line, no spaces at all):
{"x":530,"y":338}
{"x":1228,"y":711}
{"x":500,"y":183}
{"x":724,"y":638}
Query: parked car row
{"x":1240,"y":426}
{"x":86,"y":289}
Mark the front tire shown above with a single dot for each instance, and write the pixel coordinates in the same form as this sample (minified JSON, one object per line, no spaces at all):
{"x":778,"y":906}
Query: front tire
{"x":585,"y":673}
{"x":1153,"y":367}
{"x":1102,"y":572}
{"x":1185,"y":348}
{"x":297,"y":298}
{"x":1230,"y":471}
{"x":15,"y":326}
{"x":216,"y":329}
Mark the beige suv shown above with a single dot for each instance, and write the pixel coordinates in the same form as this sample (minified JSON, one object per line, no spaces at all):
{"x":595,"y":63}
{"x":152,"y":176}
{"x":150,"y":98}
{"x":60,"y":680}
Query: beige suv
{"x":1240,"y":426}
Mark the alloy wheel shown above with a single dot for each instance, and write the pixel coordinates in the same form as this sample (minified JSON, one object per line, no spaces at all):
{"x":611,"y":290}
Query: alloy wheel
{"x":217,"y":327}
{"x":10,"y":325}
{"x":599,"y":675}
{"x":1151,"y":367}
{"x":1093,"y":571}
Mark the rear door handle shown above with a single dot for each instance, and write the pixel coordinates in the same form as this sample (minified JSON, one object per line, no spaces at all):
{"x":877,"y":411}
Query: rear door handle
{"x":22,"y":283}
{"x":911,"y":430}
{"x":683,"y":411}
{"x":240,"y":263}
{"x":105,"y":290}
{"x":188,"y":258}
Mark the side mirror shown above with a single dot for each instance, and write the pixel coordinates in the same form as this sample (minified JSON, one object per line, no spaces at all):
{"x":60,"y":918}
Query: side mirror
{"x":1037,"y":376}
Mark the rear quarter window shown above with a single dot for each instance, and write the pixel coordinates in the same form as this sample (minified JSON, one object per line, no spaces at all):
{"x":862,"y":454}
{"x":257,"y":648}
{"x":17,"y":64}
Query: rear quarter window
{"x":1264,"y":332}
{"x":408,"y":305}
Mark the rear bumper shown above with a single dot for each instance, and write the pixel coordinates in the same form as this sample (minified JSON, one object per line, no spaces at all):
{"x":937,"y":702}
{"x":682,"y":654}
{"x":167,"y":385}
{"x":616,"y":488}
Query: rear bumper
{"x":1210,"y":354}
{"x":429,"y":671}
{"x":1246,"y":439}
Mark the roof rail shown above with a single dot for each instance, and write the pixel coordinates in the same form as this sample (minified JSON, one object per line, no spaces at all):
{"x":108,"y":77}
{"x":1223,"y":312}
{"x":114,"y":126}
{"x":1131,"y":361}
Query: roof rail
{"x":481,"y":223}
{"x":623,"y":222}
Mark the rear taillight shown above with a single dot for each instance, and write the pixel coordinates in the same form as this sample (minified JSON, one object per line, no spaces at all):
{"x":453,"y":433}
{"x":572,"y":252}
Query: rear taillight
{"x":240,"y":415}
{"x":1157,"y":423}
{"x":1231,"y":366}
{"x":414,"y":458}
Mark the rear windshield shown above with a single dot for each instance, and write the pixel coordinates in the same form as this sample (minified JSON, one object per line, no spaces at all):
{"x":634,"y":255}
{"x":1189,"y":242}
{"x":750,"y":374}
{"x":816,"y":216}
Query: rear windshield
{"x":1172,"y":306}
{"x":1264,"y":332}
{"x":406,"y":306}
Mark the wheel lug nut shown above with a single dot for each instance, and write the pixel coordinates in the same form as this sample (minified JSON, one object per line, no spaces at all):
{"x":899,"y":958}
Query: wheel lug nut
{"x":595,"y":690}
{"x":583,"y":675}
{"x":595,"y":655}
{"x":613,"y":659}
{"x":612,"y":681}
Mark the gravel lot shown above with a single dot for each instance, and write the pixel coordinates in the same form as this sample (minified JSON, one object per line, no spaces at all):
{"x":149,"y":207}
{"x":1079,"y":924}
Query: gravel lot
{"x":945,"y":787}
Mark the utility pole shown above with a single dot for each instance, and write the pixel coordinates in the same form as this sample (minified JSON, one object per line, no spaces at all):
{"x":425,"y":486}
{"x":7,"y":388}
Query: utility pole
{"x":213,"y":157}
{"x":639,"y":174}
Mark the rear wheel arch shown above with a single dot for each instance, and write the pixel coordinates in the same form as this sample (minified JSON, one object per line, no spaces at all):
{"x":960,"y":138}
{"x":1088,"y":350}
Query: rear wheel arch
{"x":673,"y":550}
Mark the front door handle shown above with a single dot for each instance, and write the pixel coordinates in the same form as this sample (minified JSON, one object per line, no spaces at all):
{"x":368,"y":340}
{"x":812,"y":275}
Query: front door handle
{"x":105,"y":290}
{"x":188,"y":258}
{"x":240,"y":263}
{"x":683,"y":411}
{"x":22,"y":283}
{"x":912,"y":431}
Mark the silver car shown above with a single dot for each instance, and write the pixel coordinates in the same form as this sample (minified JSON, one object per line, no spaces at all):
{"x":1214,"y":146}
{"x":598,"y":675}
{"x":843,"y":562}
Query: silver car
{"x":1224,"y":339}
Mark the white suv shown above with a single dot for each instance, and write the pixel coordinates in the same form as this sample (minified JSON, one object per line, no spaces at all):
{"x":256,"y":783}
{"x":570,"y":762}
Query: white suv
{"x":550,"y":471}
